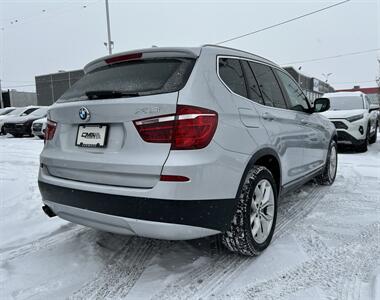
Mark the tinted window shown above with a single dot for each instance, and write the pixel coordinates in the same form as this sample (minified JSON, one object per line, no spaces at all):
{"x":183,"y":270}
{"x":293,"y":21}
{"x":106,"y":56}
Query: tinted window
{"x":28,"y":111}
{"x":268,"y":85}
{"x":253,"y":87}
{"x":231,"y":73}
{"x":297,"y":100}
{"x":142,"y":77}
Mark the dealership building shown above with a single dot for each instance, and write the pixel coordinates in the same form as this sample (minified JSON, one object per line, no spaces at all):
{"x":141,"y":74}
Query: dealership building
{"x":311,"y":86}
{"x":13,"y":98}
{"x":51,"y":86}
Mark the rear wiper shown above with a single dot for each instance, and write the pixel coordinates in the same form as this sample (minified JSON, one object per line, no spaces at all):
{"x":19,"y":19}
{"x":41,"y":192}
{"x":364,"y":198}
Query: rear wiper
{"x":106,"y":94}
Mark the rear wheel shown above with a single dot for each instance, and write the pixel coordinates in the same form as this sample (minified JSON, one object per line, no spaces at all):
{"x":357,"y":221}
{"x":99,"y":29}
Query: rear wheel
{"x":373,"y":139}
{"x":253,"y":224}
{"x":329,"y":171}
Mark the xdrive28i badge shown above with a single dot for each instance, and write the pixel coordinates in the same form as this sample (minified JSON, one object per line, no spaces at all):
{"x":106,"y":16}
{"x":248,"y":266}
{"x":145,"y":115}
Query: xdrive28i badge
{"x":84,"y":114}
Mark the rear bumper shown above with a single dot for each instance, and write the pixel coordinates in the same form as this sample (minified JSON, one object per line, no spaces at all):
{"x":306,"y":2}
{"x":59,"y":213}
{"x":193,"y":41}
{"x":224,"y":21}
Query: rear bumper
{"x":149,"y":217}
{"x":129,"y":226}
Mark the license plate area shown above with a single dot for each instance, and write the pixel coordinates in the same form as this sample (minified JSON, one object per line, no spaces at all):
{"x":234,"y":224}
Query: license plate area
{"x":92,"y":136}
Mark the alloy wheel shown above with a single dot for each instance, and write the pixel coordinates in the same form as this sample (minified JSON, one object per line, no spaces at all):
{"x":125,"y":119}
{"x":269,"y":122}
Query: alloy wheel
{"x":262,"y":211}
{"x":333,"y":162}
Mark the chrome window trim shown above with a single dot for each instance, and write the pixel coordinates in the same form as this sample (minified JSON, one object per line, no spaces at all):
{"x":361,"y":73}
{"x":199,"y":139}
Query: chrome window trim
{"x":232,"y":92}
{"x":260,"y":62}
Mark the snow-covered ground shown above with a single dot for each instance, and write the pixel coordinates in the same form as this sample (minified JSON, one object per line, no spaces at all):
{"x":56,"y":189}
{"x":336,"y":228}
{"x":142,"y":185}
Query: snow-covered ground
{"x":326,"y":246}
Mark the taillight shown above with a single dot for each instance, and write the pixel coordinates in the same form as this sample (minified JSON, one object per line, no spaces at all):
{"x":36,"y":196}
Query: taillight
{"x":190,"y":128}
{"x":50,"y":130}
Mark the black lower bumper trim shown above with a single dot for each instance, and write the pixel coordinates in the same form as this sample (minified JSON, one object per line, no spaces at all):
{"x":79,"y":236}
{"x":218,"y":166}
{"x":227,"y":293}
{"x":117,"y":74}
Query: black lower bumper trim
{"x":17,"y":131}
{"x":212,"y":214}
{"x":346,"y":137}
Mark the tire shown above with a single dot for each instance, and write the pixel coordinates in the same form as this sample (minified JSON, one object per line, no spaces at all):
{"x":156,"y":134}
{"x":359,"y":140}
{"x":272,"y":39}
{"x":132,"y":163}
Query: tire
{"x":329,"y":171}
{"x":373,"y":139}
{"x":250,"y":216}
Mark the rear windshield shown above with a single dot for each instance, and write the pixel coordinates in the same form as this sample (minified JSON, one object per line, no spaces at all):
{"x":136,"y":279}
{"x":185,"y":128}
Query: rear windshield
{"x":138,"y":78}
{"x":346,"y":103}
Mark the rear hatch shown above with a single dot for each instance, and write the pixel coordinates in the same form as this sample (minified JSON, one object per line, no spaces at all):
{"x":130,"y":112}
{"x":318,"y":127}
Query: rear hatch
{"x":96,"y":139}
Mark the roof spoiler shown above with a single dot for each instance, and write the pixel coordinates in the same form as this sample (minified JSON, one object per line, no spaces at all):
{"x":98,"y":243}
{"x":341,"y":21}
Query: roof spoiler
{"x":155,"y":52}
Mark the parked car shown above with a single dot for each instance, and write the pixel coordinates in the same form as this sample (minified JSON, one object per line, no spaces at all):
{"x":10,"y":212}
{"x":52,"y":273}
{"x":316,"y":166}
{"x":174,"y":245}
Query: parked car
{"x":22,"y":125}
{"x":354,"y":118}
{"x":182,"y":143}
{"x":17,"y":112}
{"x":6,"y":110}
{"x":38,"y":127}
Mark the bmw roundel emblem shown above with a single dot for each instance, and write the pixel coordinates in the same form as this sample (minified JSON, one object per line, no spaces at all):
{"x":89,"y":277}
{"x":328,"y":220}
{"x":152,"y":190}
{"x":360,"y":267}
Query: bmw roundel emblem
{"x":84,"y":114}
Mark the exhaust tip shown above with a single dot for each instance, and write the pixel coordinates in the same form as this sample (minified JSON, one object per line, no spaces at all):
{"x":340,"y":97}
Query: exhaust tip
{"x":47,"y":210}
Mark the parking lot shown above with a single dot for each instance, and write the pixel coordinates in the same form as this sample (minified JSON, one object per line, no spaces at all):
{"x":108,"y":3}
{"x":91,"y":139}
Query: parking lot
{"x":326,"y":245}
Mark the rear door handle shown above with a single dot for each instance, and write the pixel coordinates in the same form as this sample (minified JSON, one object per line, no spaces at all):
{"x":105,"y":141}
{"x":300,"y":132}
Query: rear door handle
{"x":268,"y":116}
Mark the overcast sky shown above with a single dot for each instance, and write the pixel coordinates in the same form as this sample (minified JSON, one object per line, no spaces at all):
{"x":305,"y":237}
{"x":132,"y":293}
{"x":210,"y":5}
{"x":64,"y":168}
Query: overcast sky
{"x":66,"y":35}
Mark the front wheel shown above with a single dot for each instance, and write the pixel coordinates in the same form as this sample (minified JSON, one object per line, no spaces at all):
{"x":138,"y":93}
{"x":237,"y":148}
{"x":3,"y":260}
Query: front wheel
{"x":331,"y":166}
{"x":254,"y":221}
{"x":373,"y":139}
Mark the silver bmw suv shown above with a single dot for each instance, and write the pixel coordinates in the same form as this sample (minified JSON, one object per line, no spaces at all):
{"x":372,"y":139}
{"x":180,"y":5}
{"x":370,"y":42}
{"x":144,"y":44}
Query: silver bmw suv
{"x":183,"y":143}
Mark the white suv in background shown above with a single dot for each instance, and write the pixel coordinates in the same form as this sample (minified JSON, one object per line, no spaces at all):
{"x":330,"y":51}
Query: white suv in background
{"x":354,"y":118}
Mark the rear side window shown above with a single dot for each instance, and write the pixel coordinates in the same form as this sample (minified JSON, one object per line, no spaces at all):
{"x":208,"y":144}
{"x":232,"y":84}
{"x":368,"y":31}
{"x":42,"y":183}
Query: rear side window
{"x":297,"y":100}
{"x":137,"y":78}
{"x":253,"y":87}
{"x":268,"y":85}
{"x":232,"y":75}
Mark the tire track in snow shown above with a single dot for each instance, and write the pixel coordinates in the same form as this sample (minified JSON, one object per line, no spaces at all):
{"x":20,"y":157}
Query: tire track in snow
{"x":325,"y":270}
{"x":312,"y":244}
{"x":122,"y":270}
{"x":299,"y":209}
{"x":204,"y":280}
{"x":43,"y":243}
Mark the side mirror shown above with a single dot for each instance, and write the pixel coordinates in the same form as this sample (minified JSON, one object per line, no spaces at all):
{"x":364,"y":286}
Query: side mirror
{"x":321,"y":104}
{"x":373,"y":107}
